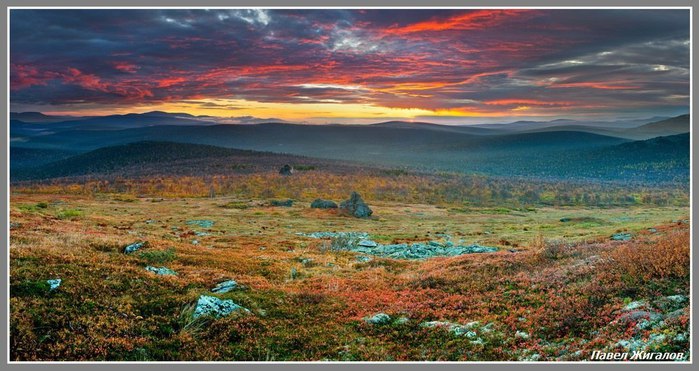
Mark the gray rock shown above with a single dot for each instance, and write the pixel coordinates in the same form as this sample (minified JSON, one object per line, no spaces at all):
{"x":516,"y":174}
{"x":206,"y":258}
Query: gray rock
{"x":521,"y":335}
{"x":286,"y":170}
{"x":621,"y":237}
{"x":363,"y":258}
{"x":203,"y":223}
{"x":356,"y":206}
{"x":282,"y":203}
{"x":673,"y":302}
{"x":162,"y":271}
{"x":367,"y":243}
{"x":53,"y":284}
{"x":378,"y":319}
{"x":636,"y":305}
{"x":635,"y":316}
{"x":349,"y":235}
{"x":652,"y":230}
{"x":225,"y":286}
{"x":319,"y":203}
{"x":215,"y":307}
{"x":133,"y":247}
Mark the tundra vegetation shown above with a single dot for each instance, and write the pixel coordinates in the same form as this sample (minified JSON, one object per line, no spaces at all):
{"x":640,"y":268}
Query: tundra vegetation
{"x":233,"y":277}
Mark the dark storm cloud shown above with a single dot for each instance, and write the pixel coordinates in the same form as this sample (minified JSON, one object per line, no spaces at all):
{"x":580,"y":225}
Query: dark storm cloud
{"x":487,"y":61}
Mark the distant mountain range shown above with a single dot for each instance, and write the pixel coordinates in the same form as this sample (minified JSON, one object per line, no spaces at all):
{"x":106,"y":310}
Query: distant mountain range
{"x":557,"y":149}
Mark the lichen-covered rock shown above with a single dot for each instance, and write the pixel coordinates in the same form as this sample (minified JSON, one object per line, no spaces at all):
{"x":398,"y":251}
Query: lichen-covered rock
{"x":133,"y":247}
{"x":356,"y":206}
{"x":378,"y":319}
{"x":225,"y":286}
{"x":161,"y":271}
{"x":319,"y":203}
{"x":215,"y":307}
{"x":621,"y":237}
{"x":53,"y":284}
{"x":203,"y":223}
{"x":367,"y":243}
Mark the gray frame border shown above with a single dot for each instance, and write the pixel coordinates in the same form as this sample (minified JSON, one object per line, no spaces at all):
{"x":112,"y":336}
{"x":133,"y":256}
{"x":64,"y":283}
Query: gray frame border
{"x":316,"y":3}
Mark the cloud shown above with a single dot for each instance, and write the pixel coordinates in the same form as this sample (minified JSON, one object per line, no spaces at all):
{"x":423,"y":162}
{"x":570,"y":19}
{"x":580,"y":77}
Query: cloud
{"x":570,"y":62}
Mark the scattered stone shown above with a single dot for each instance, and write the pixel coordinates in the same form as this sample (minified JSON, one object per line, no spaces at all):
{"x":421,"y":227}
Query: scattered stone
{"x":531,"y":358}
{"x":53,"y":284}
{"x":215,"y":307}
{"x":306,"y":261}
{"x":203,"y":223}
{"x":621,"y":237}
{"x":636,"y":315}
{"x":286,"y":170}
{"x":458,"y":329}
{"x":162,"y":271}
{"x":364,"y":258}
{"x":652,"y":230}
{"x":319,"y":203}
{"x":378,"y":319}
{"x":348,"y":235}
{"x":201,"y":234}
{"x":671,"y":303}
{"x":367,"y":243}
{"x":360,"y":242}
{"x":133,"y":247}
{"x":225,"y":286}
{"x":635,"y":305}
{"x":293,"y":274}
{"x":356,"y":206}
{"x":195,"y":242}
{"x":281,"y":203}
{"x":521,"y":335}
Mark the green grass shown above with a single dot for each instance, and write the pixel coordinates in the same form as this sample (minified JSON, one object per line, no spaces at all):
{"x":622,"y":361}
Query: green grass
{"x":70,"y":214}
{"x":158,"y":256}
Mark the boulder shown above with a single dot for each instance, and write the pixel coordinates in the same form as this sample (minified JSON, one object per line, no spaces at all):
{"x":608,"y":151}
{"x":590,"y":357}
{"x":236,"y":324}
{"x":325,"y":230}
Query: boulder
{"x":356,"y":206}
{"x":133,"y":247}
{"x":286,"y":170}
{"x":225,"y":286}
{"x":53,"y":284}
{"x":367,"y":243}
{"x":319,"y":203}
{"x":378,"y":319}
{"x":215,"y":307}
{"x":162,"y":271}
{"x":621,"y":237}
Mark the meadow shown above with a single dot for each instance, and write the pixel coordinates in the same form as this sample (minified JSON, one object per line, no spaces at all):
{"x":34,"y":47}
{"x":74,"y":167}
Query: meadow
{"x":558,"y":287}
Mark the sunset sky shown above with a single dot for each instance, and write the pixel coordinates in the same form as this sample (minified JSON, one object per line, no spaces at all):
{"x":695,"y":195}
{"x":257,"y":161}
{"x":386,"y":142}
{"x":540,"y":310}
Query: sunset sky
{"x":446,"y":66}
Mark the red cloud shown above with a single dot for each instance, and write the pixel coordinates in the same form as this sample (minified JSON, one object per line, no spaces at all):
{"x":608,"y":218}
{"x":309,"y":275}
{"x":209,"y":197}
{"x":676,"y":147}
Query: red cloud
{"x":473,"y":20}
{"x":125,"y":67}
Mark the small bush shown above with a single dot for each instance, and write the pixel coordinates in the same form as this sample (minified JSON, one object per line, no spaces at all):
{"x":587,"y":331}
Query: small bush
{"x":236,"y":205}
{"x":668,"y":257}
{"x":69,"y":214}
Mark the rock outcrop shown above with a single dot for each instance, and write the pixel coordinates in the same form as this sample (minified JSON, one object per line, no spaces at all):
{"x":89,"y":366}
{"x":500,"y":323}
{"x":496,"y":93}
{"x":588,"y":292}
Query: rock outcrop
{"x":319,"y":203}
{"x":356,"y":206}
{"x":286,"y":170}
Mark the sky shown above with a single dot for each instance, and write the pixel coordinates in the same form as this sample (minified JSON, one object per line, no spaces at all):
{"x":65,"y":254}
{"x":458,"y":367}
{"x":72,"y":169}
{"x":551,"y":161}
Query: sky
{"x":353,"y":65}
